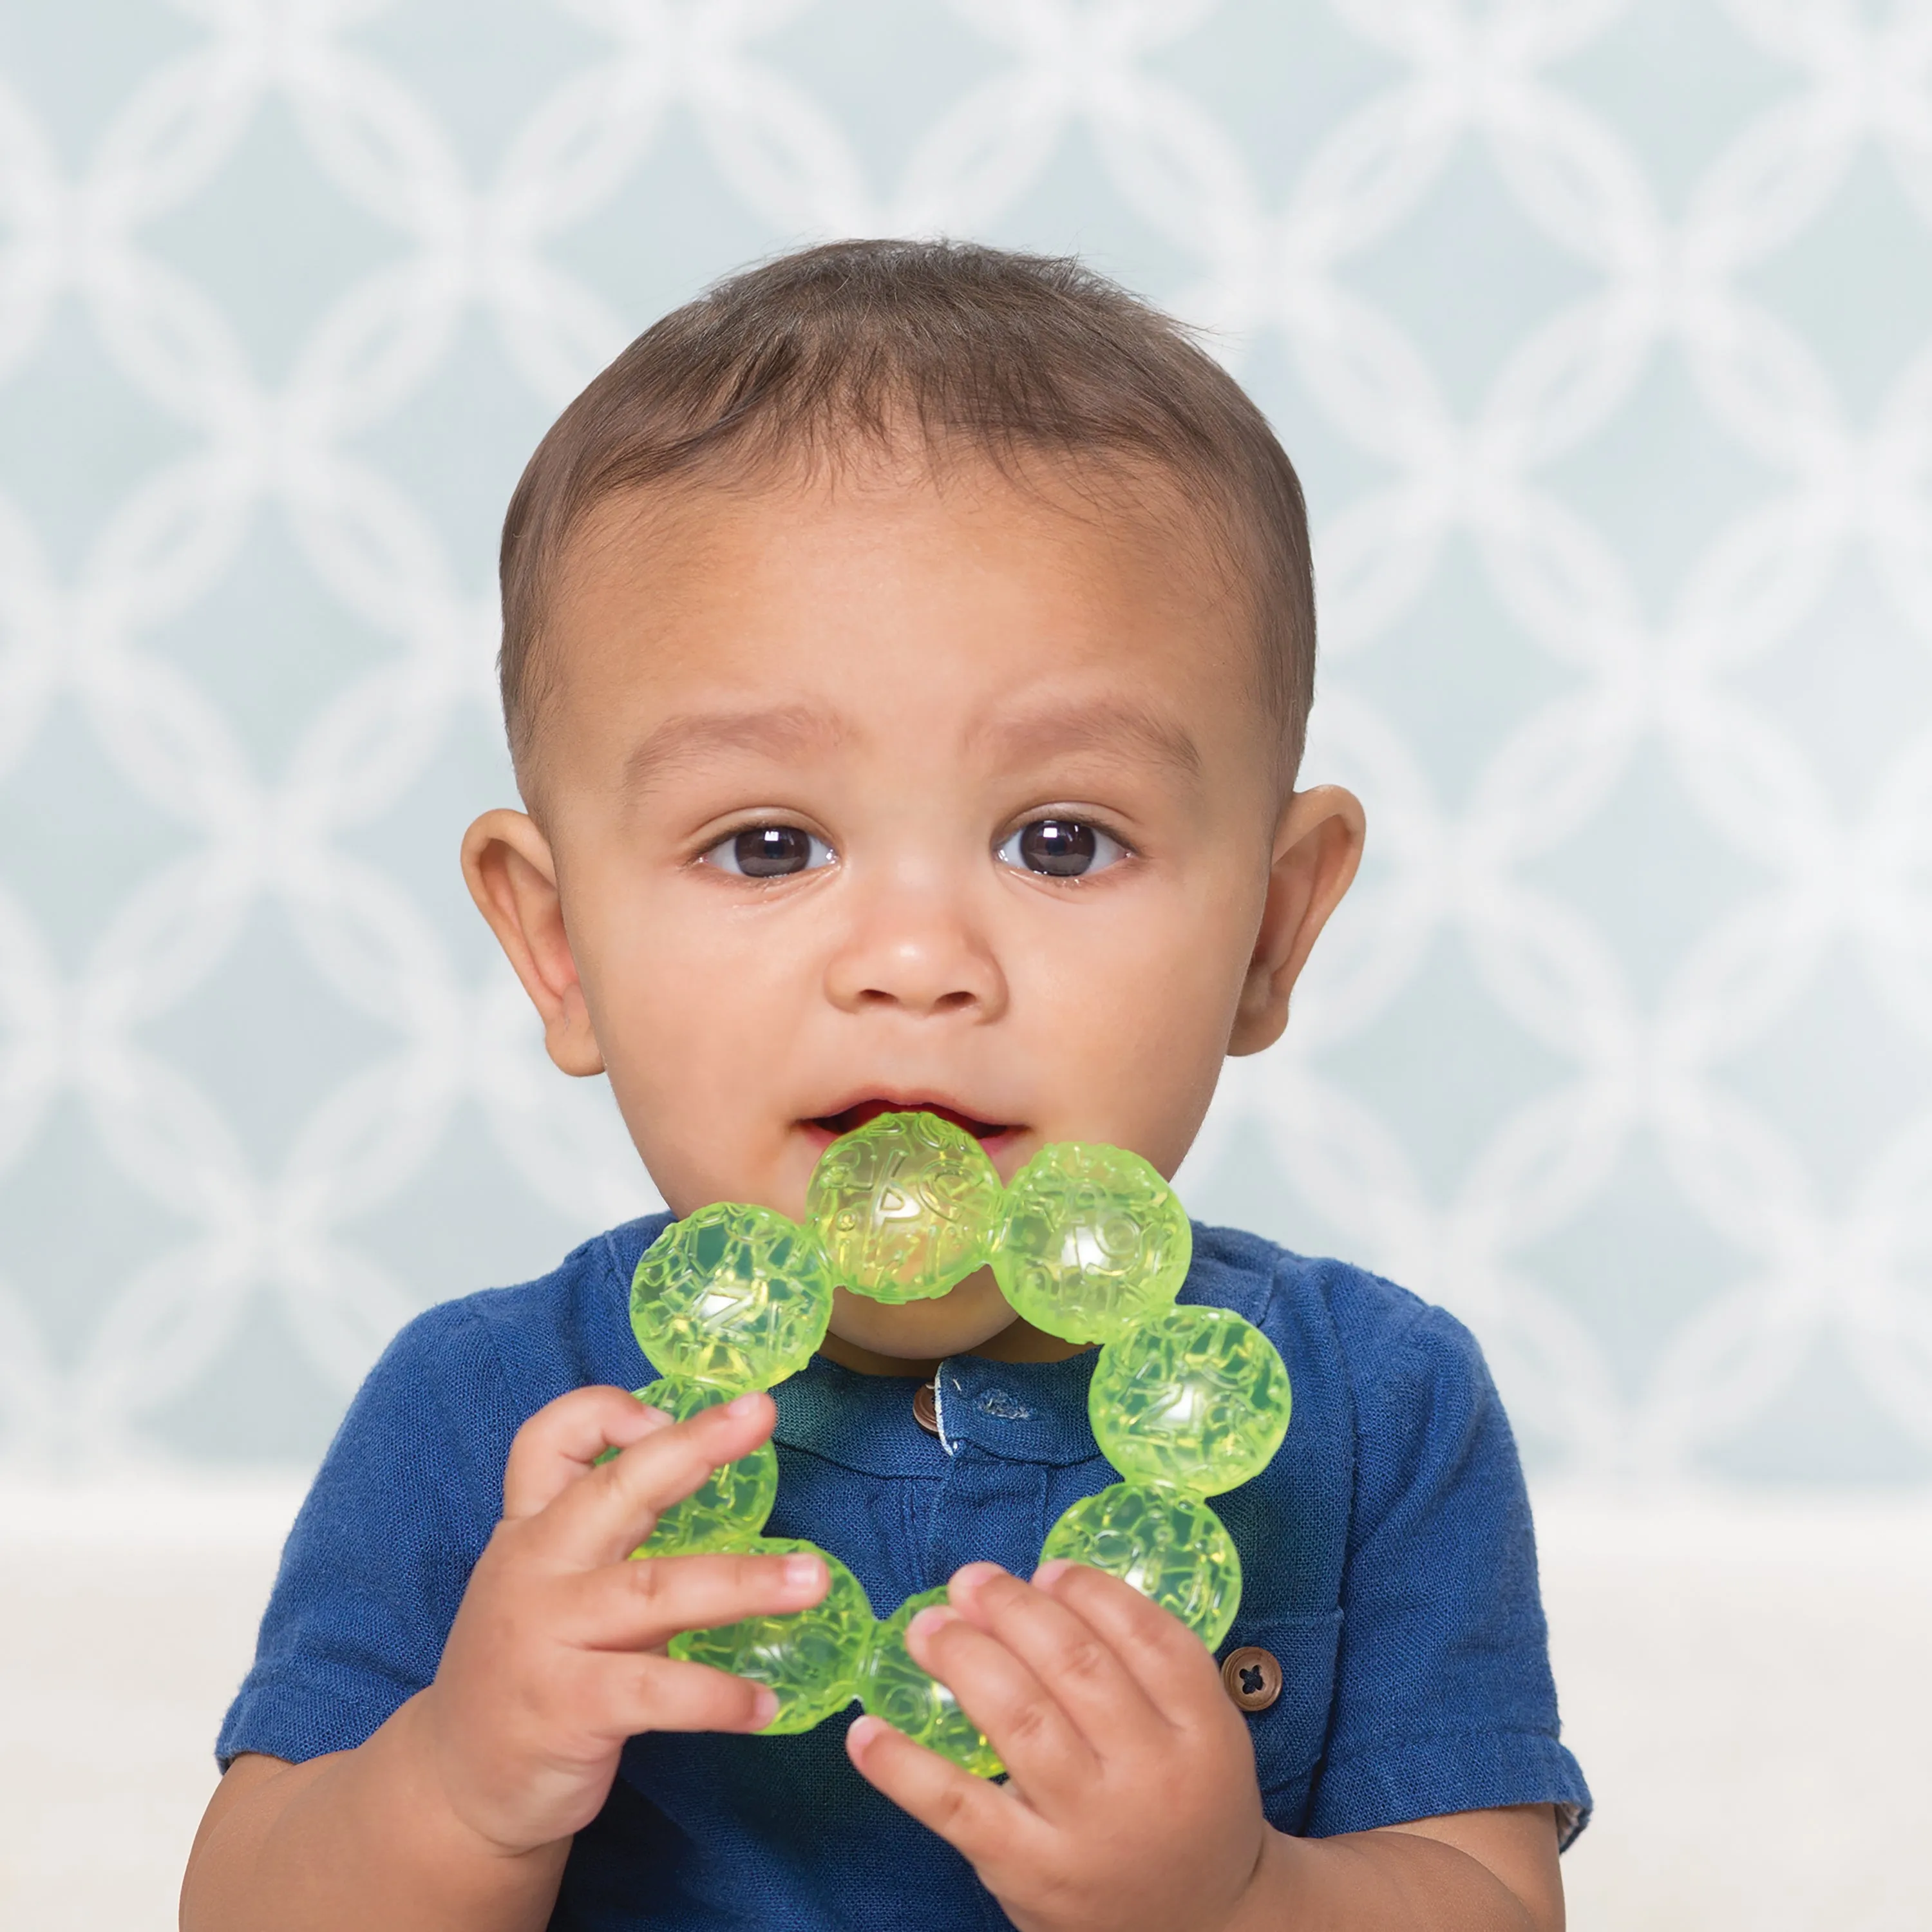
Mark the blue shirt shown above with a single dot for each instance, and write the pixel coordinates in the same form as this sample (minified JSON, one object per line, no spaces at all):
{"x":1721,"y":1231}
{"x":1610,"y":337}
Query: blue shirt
{"x":1386,"y":1557}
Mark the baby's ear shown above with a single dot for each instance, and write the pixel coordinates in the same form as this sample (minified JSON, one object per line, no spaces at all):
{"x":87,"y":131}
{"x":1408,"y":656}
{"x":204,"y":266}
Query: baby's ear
{"x":512,"y":877}
{"x":1318,"y":845}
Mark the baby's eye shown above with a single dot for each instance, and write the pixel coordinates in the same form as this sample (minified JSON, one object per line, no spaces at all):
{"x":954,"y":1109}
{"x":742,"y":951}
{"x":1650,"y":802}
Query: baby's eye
{"x":769,"y":852}
{"x":1060,"y":848}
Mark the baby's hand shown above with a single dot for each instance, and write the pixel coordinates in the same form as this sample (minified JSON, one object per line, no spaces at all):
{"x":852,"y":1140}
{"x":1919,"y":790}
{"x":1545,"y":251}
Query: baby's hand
{"x":557,"y":1655}
{"x":1132,"y":1801}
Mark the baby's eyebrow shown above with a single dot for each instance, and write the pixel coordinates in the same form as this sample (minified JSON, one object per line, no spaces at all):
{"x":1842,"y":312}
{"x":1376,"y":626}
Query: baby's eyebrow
{"x":1106,"y":726}
{"x":688,"y":740}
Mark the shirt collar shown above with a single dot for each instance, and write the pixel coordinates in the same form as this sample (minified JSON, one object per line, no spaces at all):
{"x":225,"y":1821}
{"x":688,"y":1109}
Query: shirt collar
{"x":1021,"y":1411}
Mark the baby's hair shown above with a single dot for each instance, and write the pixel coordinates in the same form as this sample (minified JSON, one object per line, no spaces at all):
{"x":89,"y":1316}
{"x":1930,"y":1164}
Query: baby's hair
{"x":803,"y":361}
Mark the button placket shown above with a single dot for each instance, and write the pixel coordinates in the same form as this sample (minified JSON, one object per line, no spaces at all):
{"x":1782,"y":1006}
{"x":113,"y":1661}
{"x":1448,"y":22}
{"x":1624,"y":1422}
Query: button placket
{"x":1024,"y":1412}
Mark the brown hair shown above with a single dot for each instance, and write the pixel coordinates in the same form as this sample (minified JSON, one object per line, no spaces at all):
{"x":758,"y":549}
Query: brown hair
{"x":801,"y":358}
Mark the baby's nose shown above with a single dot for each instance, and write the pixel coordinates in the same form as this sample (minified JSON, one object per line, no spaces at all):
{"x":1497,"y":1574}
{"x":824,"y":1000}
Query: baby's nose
{"x":918,"y":952}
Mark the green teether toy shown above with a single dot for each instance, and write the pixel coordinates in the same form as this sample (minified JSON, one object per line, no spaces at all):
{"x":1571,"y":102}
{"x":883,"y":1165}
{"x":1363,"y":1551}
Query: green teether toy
{"x":1197,"y":1397}
{"x":899,"y":1691}
{"x":814,"y":1658}
{"x":1090,"y":1244}
{"x":904,"y":1206}
{"x":1169,"y":1546}
{"x":735,"y":1295}
{"x":736,"y":1497}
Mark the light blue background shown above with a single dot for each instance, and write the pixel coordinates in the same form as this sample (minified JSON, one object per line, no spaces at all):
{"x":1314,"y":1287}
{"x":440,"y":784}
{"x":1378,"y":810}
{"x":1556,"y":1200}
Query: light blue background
{"x":1727,"y":1281}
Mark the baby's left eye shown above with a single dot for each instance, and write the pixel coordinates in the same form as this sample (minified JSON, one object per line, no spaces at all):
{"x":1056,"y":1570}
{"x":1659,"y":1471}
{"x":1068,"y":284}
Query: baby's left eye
{"x":1060,"y":848}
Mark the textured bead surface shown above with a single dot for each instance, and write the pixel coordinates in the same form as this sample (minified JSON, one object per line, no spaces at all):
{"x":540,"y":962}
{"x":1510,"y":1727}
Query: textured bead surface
{"x":1197,"y":1397}
{"x":814,"y":1659}
{"x":898,"y":1690}
{"x":1169,"y":1546}
{"x":734,"y":1500}
{"x":1092,"y":1241}
{"x":732,"y":1294}
{"x":903,"y":1207}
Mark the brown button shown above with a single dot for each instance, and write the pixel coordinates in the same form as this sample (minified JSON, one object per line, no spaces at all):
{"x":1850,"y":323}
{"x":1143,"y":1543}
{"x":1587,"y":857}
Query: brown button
{"x":1252,"y":1676}
{"x":925,"y":1408}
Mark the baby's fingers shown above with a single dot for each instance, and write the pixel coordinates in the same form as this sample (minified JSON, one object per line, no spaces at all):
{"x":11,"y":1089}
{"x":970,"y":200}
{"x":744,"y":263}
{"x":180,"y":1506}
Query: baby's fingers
{"x":625,"y":1696}
{"x":1023,"y":1722}
{"x":1089,"y":1682}
{"x":563,"y":1440}
{"x":603,"y":1517}
{"x":642,"y":1605}
{"x":985,"y":1823}
{"x":1169,"y":1663}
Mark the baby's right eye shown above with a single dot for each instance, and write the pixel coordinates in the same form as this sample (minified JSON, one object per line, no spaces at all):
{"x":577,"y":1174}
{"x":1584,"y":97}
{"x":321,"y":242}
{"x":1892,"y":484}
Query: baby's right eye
{"x":769,"y":852}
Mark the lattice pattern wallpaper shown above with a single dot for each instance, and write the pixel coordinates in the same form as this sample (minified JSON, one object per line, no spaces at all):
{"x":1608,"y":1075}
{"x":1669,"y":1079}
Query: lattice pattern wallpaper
{"x":1602,"y":333}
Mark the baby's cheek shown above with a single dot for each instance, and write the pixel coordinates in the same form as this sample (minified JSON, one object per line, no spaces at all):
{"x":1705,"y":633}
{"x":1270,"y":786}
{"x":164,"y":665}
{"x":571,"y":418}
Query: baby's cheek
{"x":687,"y":1106}
{"x":1129,"y":1055}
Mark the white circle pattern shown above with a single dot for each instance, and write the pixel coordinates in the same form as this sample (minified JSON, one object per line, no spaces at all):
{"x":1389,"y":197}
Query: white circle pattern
{"x":693,"y":82}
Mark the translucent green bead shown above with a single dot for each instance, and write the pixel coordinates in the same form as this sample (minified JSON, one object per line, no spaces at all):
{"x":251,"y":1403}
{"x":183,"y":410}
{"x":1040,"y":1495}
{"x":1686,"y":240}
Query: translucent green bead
{"x":1196,"y":1397}
{"x":898,"y":1690}
{"x":1169,"y":1546}
{"x":734,"y":1500}
{"x":1093,"y":1241}
{"x":732,"y":1294}
{"x":905,"y":1207}
{"x":814,"y":1659}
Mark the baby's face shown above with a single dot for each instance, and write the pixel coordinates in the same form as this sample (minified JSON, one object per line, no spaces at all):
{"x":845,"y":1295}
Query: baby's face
{"x":898,"y":794}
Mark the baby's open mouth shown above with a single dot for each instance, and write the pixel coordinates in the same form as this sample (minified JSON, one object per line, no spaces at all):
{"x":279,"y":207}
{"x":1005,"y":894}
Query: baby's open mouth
{"x":848,"y":1118}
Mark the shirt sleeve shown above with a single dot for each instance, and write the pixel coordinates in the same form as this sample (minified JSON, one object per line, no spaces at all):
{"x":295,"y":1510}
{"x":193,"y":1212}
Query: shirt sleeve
{"x":1444,"y":1699}
{"x":381,"y":1552}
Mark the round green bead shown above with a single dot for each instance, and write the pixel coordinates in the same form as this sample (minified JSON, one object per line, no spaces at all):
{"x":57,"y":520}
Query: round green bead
{"x":904,"y":1207}
{"x":1196,"y":1397}
{"x":1170,"y":1547}
{"x":814,"y":1659}
{"x":734,"y":1500}
{"x":1092,"y":1242}
{"x":900,"y":1691}
{"x":732,"y":1294}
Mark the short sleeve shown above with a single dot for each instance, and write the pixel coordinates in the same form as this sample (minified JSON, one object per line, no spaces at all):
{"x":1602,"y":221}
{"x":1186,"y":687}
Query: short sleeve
{"x":1444,"y":1698}
{"x":381,"y":1553}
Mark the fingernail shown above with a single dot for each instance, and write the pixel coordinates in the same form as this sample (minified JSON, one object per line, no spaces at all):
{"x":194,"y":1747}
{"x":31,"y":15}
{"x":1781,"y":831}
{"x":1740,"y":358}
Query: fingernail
{"x":764,"y":1707}
{"x":743,"y":1405}
{"x":973,"y":1574}
{"x":653,"y":1419}
{"x":1049,"y":1574}
{"x":804,"y":1573}
{"x":863,"y":1731}
{"x":934,"y":1617}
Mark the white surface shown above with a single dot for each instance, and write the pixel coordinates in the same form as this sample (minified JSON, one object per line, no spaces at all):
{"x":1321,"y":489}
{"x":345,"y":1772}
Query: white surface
{"x":126,"y":1620}
{"x":1746,"y":1684}
{"x":1749,"y":1691}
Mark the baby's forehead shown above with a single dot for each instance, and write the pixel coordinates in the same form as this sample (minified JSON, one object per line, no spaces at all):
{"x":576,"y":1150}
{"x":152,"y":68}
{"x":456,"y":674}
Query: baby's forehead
{"x":961,"y":557}
{"x":1016,"y":617}
{"x":1044,"y":528}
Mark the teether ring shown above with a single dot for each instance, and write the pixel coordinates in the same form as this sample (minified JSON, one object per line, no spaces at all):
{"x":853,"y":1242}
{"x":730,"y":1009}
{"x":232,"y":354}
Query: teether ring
{"x":1089,"y":1244}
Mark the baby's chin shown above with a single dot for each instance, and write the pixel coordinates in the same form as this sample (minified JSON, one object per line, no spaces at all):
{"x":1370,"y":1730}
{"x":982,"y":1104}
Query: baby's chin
{"x":919,"y":1332}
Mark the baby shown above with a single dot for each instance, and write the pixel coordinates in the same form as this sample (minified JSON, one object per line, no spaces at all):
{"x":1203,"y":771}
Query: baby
{"x":907,"y":652}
